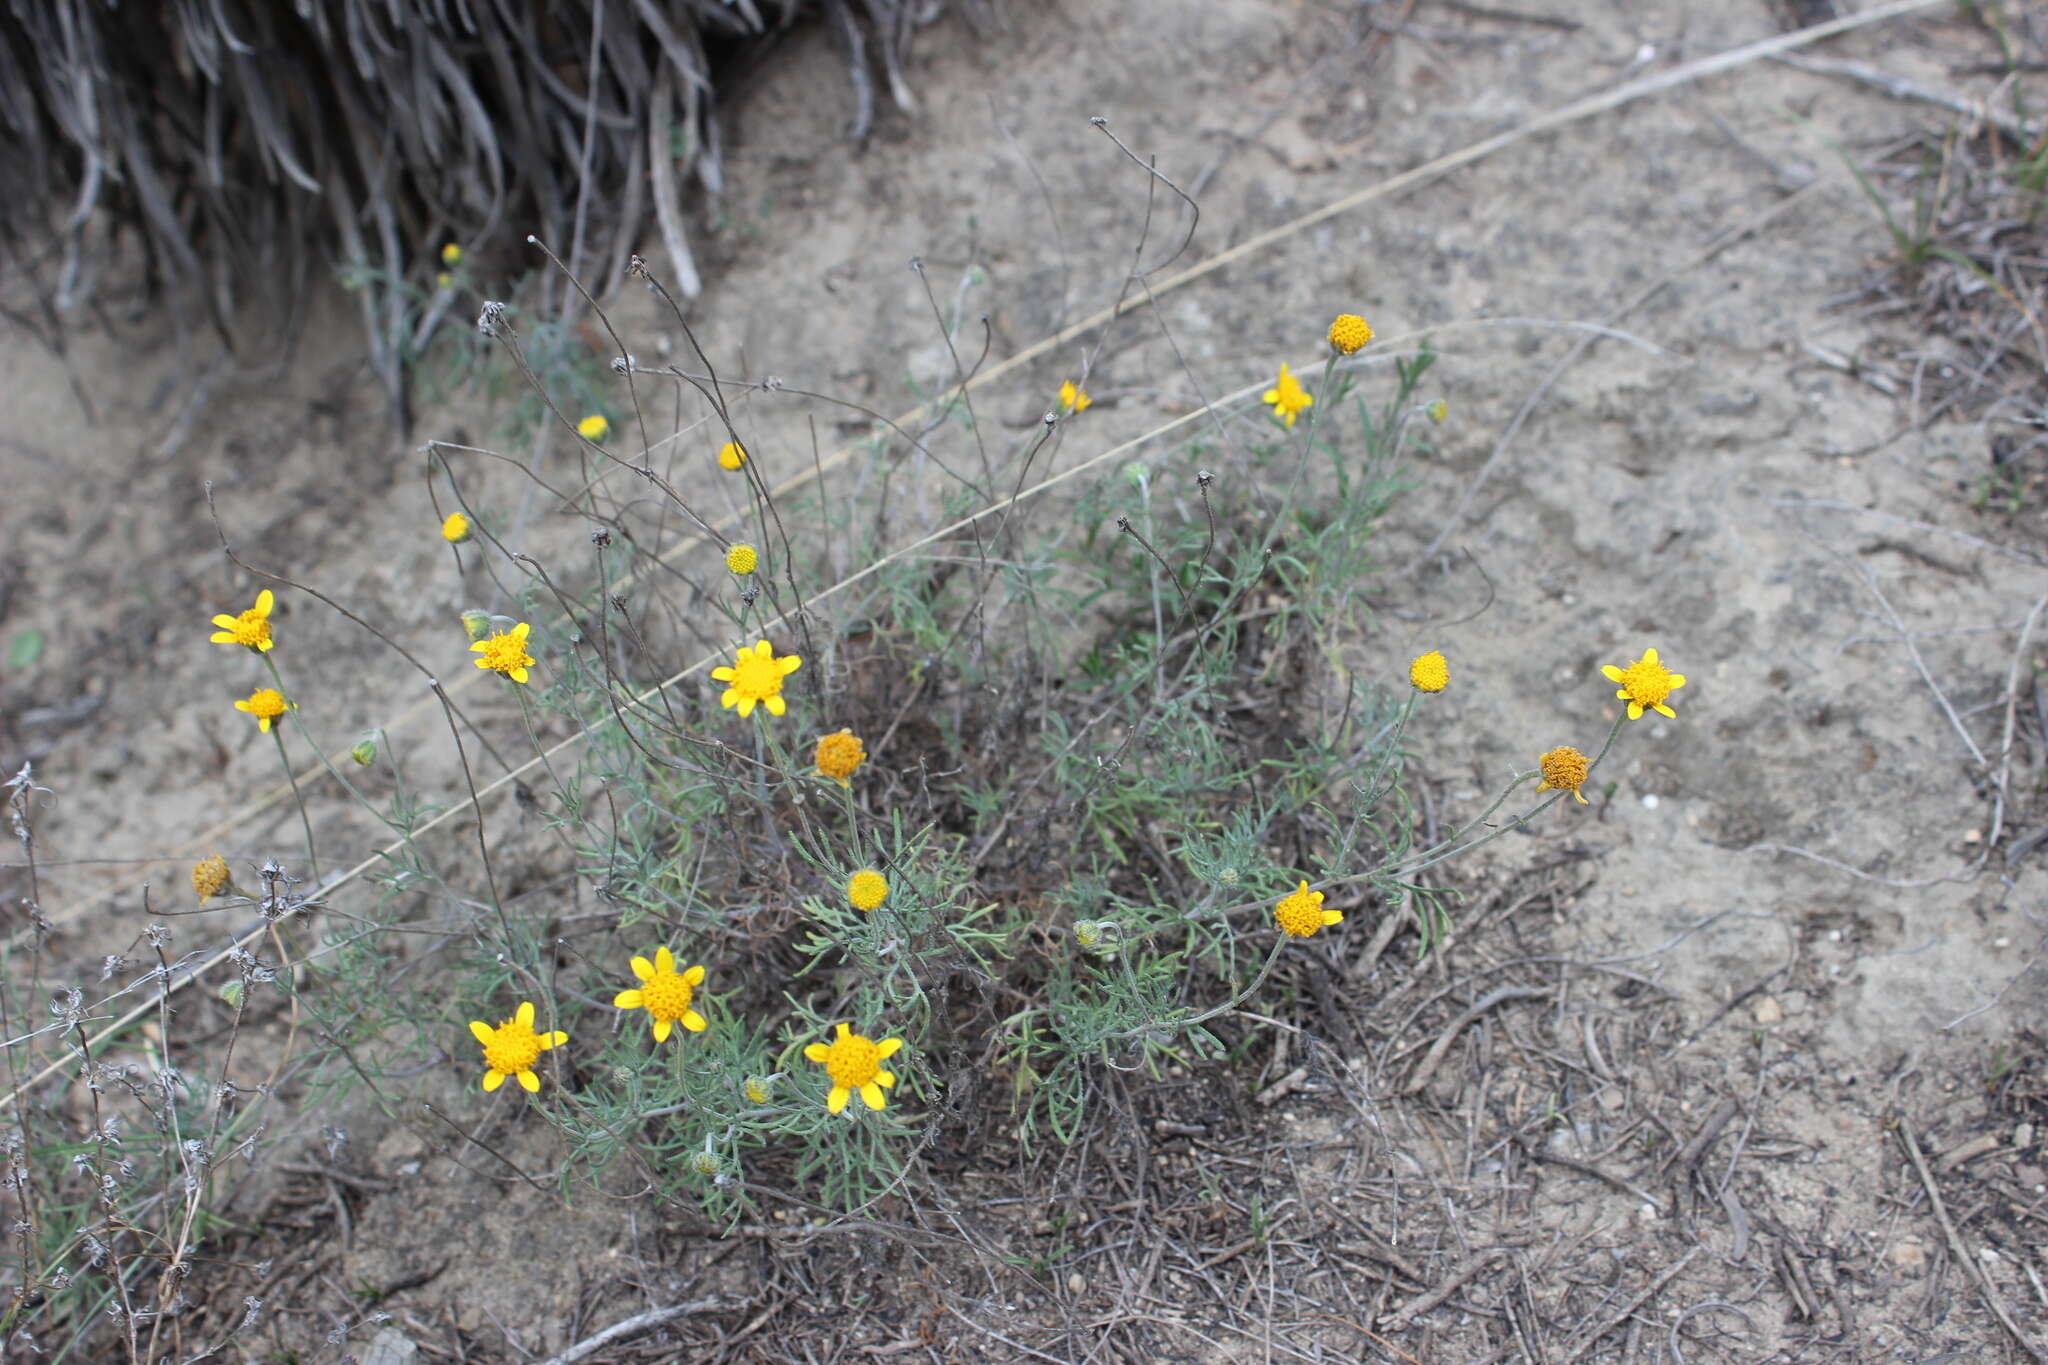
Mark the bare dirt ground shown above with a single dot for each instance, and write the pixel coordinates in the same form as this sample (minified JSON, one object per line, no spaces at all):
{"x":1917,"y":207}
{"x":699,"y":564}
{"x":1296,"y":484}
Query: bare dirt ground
{"x":1743,"y":1062}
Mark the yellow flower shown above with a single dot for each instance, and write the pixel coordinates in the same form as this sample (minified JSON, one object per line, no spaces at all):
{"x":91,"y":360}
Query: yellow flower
{"x":210,"y":877}
{"x":1072,"y":399}
{"x":456,"y":530}
{"x":1644,"y":685}
{"x":759,"y":1088}
{"x":451,"y":255}
{"x":1300,"y":912}
{"x":1349,"y":333}
{"x":513,"y":1047}
{"x":1429,"y":673}
{"x":1288,"y":397}
{"x":505,"y":652}
{"x":664,"y":993}
{"x":742,"y":560}
{"x":756,"y":677}
{"x":839,"y":756}
{"x":1438,"y":411}
{"x":476,"y":623}
{"x":1564,"y":769}
{"x":867,"y":889}
{"x":442,"y":279}
{"x":731,"y":456}
{"x":594,"y":427}
{"x":266,"y":704}
{"x":855,"y":1063}
{"x":251,"y":628}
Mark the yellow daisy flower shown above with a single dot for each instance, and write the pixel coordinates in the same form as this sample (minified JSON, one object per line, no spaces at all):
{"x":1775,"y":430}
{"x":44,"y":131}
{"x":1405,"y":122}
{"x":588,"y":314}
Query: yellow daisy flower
{"x":1644,"y":685}
{"x":1349,"y":333}
{"x":731,"y":456}
{"x":839,"y":757}
{"x":756,"y":678}
{"x":742,"y":560}
{"x":664,"y":993}
{"x":1430,"y":673}
{"x":506,"y":653}
{"x":210,"y":877}
{"x":1072,"y":399}
{"x":266,"y":704}
{"x":451,"y":255}
{"x":456,"y":529}
{"x":1564,"y":769}
{"x":594,"y":427}
{"x":251,"y":628}
{"x":867,"y":889}
{"x":855,"y":1063}
{"x":513,"y":1047}
{"x":1300,"y":912}
{"x":1288,"y":398}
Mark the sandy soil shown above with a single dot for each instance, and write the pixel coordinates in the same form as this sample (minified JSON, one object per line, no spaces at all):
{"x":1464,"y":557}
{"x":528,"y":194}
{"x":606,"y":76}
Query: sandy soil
{"x":1803,"y":926}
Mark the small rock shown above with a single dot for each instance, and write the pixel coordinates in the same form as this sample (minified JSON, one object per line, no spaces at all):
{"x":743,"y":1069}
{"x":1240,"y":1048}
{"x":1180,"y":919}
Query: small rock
{"x":1076,"y":1282}
{"x":391,"y":1347}
{"x":1909,"y":1256}
{"x":2023,"y":1137}
{"x":1767,"y":1011}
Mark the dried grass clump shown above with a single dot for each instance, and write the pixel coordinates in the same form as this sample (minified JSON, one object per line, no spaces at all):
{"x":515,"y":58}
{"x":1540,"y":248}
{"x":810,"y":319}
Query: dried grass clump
{"x":245,"y":141}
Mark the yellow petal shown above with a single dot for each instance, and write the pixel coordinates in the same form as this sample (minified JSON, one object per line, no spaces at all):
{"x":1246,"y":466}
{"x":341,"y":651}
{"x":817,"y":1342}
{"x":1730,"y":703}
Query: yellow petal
{"x":525,"y":1014}
{"x":694,"y":976}
{"x":887,"y":1048}
{"x":885,"y":1079}
{"x":818,"y":1052}
{"x":695,"y":1022}
{"x":1576,"y":797}
{"x":723,"y":674}
{"x":555,"y":1039}
{"x":481,"y":1031}
{"x":225,"y":622}
{"x":745,"y":706}
{"x":492,"y":1080}
{"x":1676,"y":680}
{"x":1610,"y":672}
{"x":1635,"y":710}
{"x":1665,"y":711}
{"x":1649,"y":656}
{"x":789,"y":663}
{"x":643,"y":969}
{"x":530,"y":1081}
{"x":661,"y":1030}
{"x":836,"y":1101}
{"x":519,"y":631}
{"x":265,"y":601}
{"x":1333,"y":916}
{"x":776,"y":705}
{"x":664,"y":960}
{"x":518,"y":675}
{"x":872,"y":1093}
{"x":629,"y":1000}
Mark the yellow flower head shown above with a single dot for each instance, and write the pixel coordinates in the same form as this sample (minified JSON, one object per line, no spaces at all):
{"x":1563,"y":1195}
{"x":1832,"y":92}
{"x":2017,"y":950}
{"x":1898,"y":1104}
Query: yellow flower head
{"x":1438,"y":411}
{"x":1564,"y":769}
{"x":443,"y":280}
{"x":756,"y":678}
{"x":759,"y":1089}
{"x":476,"y":623}
{"x":1072,"y":399}
{"x":1300,"y":912}
{"x":210,"y":877}
{"x":513,"y":1047}
{"x":451,"y":255}
{"x":1644,"y":685}
{"x":742,"y":560}
{"x":839,"y":756}
{"x":855,"y":1063}
{"x":251,"y":628}
{"x":456,"y":529}
{"x":731,"y":456}
{"x":867,"y":889}
{"x":1288,"y":397}
{"x":594,"y":427}
{"x":266,"y":704}
{"x":505,"y":652}
{"x":664,"y":993}
{"x":1430,"y":673}
{"x":1349,"y":333}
